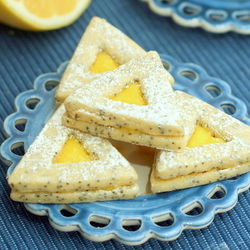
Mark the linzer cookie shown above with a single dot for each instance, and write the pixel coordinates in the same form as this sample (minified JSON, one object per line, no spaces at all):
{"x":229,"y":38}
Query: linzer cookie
{"x":64,"y":165}
{"x":217,"y":148}
{"x":159,"y":185}
{"x":135,"y":103}
{"x":101,"y":49}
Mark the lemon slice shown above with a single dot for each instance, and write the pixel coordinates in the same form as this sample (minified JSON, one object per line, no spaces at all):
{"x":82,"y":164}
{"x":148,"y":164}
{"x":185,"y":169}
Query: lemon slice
{"x":41,"y":15}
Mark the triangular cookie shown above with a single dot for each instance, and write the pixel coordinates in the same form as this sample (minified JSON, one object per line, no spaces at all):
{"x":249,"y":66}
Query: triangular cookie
{"x":156,"y":123}
{"x":207,"y":163}
{"x":99,"y":37}
{"x":38,"y":178}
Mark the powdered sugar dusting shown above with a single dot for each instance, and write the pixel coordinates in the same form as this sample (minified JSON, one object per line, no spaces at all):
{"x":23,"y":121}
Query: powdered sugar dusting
{"x":108,"y":169}
{"x":234,"y":152}
{"x":160,"y":116}
{"x":99,"y":36}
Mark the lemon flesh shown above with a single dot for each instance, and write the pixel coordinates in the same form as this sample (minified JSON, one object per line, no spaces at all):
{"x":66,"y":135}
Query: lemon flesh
{"x":41,"y":15}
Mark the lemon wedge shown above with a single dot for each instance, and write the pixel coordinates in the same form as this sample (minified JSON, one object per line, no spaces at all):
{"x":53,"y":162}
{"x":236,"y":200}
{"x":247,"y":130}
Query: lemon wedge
{"x":41,"y":15}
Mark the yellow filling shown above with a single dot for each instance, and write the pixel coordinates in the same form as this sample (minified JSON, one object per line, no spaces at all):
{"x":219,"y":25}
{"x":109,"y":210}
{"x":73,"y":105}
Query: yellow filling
{"x":72,"y":152}
{"x":109,"y":188}
{"x":132,"y":95}
{"x":201,"y":137}
{"x":103,"y":63}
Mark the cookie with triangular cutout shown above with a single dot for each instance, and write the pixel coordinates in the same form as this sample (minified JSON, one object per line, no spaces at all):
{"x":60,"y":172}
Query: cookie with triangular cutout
{"x":64,"y":165}
{"x":159,"y":185}
{"x":217,"y":148}
{"x":134,"y":103}
{"x":101,"y":49}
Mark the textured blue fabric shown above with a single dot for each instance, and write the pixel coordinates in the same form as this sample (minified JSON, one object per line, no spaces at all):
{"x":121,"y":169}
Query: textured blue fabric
{"x":26,"y":55}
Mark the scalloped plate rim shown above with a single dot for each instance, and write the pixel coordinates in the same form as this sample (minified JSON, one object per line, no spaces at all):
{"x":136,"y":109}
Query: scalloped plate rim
{"x":228,"y":202}
{"x":200,"y":21}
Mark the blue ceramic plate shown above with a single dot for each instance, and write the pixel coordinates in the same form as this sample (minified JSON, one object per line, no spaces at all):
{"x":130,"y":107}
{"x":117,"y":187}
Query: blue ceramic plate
{"x":163,"y":216}
{"x":216,"y":16}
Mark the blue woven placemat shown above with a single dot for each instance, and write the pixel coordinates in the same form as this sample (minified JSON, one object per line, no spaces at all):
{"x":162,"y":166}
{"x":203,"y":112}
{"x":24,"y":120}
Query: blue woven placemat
{"x":26,"y":55}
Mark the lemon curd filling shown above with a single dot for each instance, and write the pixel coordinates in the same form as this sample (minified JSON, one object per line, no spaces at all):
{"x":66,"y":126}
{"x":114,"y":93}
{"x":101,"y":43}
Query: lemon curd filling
{"x":72,"y":152}
{"x":202,"y":136}
{"x":131,"y":94}
{"x":103,"y":63}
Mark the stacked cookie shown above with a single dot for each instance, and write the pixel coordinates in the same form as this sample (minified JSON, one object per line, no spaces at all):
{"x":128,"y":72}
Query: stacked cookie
{"x":113,"y":89}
